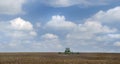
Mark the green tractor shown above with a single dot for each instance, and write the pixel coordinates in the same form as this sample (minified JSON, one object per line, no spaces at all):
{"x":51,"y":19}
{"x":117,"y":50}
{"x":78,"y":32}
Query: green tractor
{"x":67,"y":51}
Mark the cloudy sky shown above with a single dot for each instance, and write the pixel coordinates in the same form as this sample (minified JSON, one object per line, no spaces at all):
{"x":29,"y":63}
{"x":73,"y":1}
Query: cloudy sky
{"x":53,"y":25}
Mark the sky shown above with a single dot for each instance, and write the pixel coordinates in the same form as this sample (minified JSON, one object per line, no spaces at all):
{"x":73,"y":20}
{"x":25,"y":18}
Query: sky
{"x":53,"y":25}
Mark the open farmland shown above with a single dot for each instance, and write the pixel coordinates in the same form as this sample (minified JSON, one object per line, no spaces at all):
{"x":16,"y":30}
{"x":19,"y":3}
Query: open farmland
{"x":55,"y":58}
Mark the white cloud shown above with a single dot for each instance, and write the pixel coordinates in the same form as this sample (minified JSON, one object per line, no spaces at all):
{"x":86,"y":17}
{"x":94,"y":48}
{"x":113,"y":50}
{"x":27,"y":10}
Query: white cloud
{"x":59,"y":3}
{"x":20,"y":24}
{"x":47,"y":45}
{"x":111,"y":15}
{"x":21,"y":29}
{"x":94,"y":28}
{"x":102,"y":38}
{"x":108,"y":37}
{"x":97,"y":30}
{"x":117,"y":43}
{"x":11,"y":7}
{"x":38,"y":24}
{"x":59,"y":22}
{"x":89,"y":33}
{"x":15,"y":33}
{"x":33,"y":33}
{"x":49,"y":36}
{"x":114,"y":36}
{"x":21,"y":34}
{"x":88,"y":30}
{"x":48,"y":42}
{"x":13,"y":44}
{"x":97,"y":27}
{"x":92,"y":33}
{"x":67,"y":3}
{"x":17,"y":29}
{"x":1,"y":45}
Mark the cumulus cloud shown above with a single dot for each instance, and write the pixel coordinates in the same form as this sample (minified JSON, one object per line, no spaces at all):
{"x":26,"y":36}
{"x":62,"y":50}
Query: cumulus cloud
{"x":33,"y":33}
{"x":117,"y":36}
{"x":11,"y":7}
{"x":117,"y":43}
{"x":99,"y":30}
{"x":93,"y":34}
{"x":111,"y":15}
{"x":67,"y":3}
{"x":20,"y":24}
{"x":90,"y":33}
{"x":97,"y":27}
{"x":47,"y":45}
{"x":48,"y":42}
{"x":17,"y":28}
{"x":21,"y":28}
{"x":89,"y":29}
{"x":59,"y":22}
{"x":49,"y":36}
{"x":38,"y":24}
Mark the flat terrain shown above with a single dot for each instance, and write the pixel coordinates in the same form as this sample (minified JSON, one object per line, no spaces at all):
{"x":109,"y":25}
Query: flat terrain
{"x":55,"y":58}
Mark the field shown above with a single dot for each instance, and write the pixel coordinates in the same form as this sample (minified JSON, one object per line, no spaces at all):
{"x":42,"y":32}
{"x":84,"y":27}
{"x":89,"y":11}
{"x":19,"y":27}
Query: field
{"x":55,"y":58}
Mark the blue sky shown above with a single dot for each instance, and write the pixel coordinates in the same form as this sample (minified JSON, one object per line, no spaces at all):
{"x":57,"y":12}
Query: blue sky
{"x":53,"y":25}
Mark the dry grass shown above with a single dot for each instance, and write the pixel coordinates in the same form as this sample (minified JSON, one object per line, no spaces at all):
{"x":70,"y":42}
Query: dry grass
{"x":55,"y":58}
